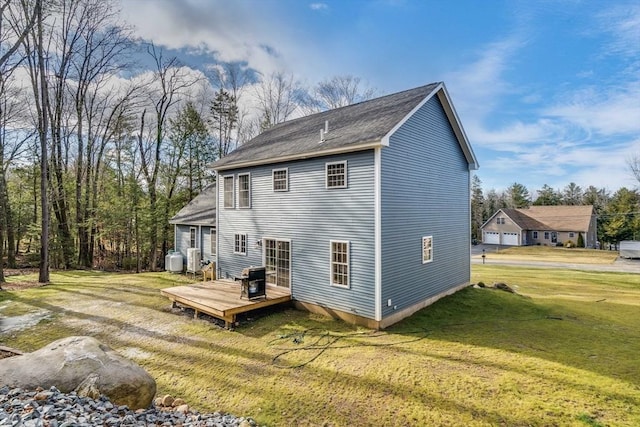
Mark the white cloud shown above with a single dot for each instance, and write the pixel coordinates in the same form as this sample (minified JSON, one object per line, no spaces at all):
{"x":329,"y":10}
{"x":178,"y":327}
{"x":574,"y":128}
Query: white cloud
{"x":605,"y":111}
{"x":319,"y":6}
{"x":232,"y":32}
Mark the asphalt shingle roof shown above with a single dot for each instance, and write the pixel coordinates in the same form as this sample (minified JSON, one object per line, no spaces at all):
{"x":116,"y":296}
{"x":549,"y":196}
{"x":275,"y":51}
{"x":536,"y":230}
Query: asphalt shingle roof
{"x":552,"y":218}
{"x":362,"y":123}
{"x":200,"y":211}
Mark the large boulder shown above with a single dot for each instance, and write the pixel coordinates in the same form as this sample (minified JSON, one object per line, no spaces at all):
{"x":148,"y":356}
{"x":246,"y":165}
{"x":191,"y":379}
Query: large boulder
{"x":82,"y":364}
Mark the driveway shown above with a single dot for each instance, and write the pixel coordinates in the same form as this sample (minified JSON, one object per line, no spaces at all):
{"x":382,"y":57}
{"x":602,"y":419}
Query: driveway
{"x":622,"y":265}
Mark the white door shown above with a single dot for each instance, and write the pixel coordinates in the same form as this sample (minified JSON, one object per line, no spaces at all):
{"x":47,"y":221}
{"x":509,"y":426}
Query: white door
{"x":491,"y":238}
{"x":510,"y":239}
{"x":277,"y":260}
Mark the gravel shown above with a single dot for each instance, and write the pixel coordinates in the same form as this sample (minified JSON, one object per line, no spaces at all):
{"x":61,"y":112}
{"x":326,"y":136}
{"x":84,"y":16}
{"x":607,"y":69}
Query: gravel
{"x":52,"y":408}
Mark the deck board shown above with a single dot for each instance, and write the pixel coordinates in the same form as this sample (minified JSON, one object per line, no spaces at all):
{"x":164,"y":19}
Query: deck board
{"x":221,"y":298}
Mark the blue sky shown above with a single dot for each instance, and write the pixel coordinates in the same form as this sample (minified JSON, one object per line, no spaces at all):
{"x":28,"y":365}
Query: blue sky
{"x":547,"y":91}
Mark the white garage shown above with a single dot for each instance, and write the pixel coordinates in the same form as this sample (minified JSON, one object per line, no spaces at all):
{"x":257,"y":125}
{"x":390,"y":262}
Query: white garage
{"x":510,"y":239}
{"x":491,"y":238}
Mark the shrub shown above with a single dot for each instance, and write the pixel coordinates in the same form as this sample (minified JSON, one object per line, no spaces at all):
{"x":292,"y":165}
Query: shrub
{"x":580,"y":241}
{"x":569,"y":244}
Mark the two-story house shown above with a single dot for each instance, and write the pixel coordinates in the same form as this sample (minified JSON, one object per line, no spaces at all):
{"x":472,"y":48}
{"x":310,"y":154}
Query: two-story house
{"x":362,"y":212}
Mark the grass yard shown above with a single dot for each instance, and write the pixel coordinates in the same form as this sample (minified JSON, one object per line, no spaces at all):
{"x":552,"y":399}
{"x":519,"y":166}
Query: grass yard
{"x":562,"y":352}
{"x":552,"y":254}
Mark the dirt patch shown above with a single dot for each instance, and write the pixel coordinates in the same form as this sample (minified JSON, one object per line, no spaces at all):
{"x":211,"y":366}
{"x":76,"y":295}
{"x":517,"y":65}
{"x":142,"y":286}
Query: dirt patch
{"x":23,"y":284}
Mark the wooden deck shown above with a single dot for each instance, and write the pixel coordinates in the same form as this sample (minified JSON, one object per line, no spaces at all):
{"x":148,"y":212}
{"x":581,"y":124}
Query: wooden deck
{"x":221,"y":299}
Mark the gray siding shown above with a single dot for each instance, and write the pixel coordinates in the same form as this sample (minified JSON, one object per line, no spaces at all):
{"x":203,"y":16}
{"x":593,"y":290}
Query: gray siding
{"x":424,"y":192}
{"x":203,"y":240}
{"x":309,"y":215}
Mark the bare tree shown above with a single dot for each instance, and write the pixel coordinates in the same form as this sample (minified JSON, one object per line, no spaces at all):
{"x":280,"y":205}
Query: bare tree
{"x":276,"y":97}
{"x":22,"y":19}
{"x":170,"y":84}
{"x":336,"y":92}
{"x":36,"y":62}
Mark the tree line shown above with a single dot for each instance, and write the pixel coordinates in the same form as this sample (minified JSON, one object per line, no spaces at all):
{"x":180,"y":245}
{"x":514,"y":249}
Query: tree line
{"x":618,"y":213}
{"x":97,"y":151}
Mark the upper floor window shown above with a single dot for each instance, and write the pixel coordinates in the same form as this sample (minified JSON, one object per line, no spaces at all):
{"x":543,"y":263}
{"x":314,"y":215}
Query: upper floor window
{"x":228,"y":191}
{"x":192,"y":237}
{"x":280,"y":180}
{"x":336,"y":174}
{"x":340,"y":263}
{"x":427,"y":249}
{"x":240,"y":244}
{"x":244,"y":190}
{"x":500,"y":220}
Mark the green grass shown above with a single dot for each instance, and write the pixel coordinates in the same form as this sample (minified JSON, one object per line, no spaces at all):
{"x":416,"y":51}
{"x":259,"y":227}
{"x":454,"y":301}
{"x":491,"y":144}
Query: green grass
{"x":552,"y":254}
{"x":563,"y":351}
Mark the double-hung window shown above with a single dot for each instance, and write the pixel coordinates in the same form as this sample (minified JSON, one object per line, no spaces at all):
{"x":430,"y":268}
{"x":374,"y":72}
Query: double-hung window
{"x":240,"y":244}
{"x":535,"y":234}
{"x":244,"y":190}
{"x":228,"y":192}
{"x":280,"y":180}
{"x":214,"y":242}
{"x":427,"y":249}
{"x":336,"y":174}
{"x":192,"y":237}
{"x":340,"y":263}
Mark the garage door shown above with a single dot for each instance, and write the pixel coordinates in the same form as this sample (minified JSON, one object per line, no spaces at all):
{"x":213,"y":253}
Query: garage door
{"x":491,"y":238}
{"x":510,"y":239}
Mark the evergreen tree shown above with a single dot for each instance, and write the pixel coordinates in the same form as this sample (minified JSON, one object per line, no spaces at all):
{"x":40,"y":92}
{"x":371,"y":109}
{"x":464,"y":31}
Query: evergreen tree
{"x":518,"y":196}
{"x":477,"y":203}
{"x":547,"y":196}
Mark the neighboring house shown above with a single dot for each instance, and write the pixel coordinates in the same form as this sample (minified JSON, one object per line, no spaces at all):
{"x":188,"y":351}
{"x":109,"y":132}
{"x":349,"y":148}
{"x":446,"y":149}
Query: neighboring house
{"x":541,"y":225}
{"x":195,"y":225}
{"x":362,"y":212}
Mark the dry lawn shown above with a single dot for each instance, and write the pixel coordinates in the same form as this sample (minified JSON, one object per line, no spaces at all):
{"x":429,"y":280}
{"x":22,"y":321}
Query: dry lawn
{"x":562,"y":352}
{"x":552,"y":254}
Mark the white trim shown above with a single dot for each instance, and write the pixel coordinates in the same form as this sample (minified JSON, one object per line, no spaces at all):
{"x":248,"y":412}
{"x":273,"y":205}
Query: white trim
{"x":224,"y":193}
{"x":248,"y":175}
{"x":273,"y":182}
{"x":302,"y":156}
{"x":385,"y":139}
{"x":430,"y":259}
{"x":195,"y":237}
{"x":246,"y":244}
{"x":213,"y":248}
{"x":326,"y":174}
{"x":441,"y":91}
{"x":348,"y":263}
{"x":264,"y":255}
{"x":377,"y":234}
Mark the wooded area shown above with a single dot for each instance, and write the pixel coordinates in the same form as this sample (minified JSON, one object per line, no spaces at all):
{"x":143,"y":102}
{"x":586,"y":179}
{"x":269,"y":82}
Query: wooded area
{"x":104,"y":137}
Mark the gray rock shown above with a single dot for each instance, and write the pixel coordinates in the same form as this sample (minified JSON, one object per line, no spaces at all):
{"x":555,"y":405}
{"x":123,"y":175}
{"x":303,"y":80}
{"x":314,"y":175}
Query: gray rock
{"x":70,"y":362}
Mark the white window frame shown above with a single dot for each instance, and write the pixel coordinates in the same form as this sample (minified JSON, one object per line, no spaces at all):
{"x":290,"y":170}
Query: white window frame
{"x":427,"y":249}
{"x":248,"y":190}
{"x":347,"y":263}
{"x":286,"y":179}
{"x":214,"y":241}
{"x":326,"y":174}
{"x":193,"y":237}
{"x":238,"y":247}
{"x":572,"y":234}
{"x":226,"y":195}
